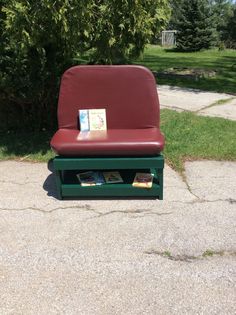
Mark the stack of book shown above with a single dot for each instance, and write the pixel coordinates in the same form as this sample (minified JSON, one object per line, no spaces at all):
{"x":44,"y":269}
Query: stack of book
{"x":93,"y":178}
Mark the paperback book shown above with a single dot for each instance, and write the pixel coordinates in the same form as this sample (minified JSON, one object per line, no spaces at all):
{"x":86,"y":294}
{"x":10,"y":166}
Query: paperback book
{"x":112,"y":177}
{"x":97,"y":119}
{"x":91,"y":178}
{"x":84,"y":120}
{"x":92,"y":119}
{"x":143,"y":180}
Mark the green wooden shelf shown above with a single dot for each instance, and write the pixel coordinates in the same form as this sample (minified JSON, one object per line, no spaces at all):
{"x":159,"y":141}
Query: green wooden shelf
{"x":69,"y":186}
{"x":63,"y":163}
{"x":108,"y":190}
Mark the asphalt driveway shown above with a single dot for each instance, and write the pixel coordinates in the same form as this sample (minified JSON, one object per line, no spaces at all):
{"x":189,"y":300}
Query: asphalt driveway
{"x":176,"y":256}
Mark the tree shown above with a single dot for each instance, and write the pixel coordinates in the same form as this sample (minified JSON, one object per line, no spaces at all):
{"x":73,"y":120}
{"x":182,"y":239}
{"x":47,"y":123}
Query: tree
{"x":230,"y":34}
{"x":37,"y":45}
{"x":121,"y":29}
{"x":195,"y":26}
{"x":40,"y":39}
{"x":223,"y":11}
{"x":175,"y":13}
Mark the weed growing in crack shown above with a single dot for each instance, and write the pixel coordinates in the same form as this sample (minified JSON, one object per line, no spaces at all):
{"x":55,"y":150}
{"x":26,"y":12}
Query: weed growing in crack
{"x":210,"y":253}
{"x":167,"y":254}
{"x":187,"y":258}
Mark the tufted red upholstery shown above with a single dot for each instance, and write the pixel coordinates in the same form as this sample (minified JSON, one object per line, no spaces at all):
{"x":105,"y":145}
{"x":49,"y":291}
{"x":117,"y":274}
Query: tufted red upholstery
{"x":129,"y":95}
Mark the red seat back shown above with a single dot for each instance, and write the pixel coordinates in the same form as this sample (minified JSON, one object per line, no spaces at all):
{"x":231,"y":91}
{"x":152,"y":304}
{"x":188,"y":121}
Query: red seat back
{"x":128,"y":93}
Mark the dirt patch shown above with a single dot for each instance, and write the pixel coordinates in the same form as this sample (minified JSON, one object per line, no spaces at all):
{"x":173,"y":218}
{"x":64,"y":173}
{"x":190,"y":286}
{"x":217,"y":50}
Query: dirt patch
{"x":186,"y":73}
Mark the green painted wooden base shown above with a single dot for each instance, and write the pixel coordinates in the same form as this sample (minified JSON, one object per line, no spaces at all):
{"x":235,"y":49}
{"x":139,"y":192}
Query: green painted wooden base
{"x":68,"y":184}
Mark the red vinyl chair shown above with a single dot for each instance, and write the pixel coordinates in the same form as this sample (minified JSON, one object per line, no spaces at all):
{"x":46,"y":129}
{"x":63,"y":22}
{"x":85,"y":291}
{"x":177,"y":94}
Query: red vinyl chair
{"x":132,"y":142}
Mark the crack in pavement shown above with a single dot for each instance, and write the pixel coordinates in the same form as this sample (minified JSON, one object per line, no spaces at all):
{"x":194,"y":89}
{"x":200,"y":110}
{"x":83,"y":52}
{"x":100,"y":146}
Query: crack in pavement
{"x":86,"y":207}
{"x":191,"y":258}
{"x":152,"y":213}
{"x":184,"y":178}
{"x":15,"y":183}
{"x":217,"y":103}
{"x":201,"y":200}
{"x":198,"y":111}
{"x":135,"y":211}
{"x":141,"y":211}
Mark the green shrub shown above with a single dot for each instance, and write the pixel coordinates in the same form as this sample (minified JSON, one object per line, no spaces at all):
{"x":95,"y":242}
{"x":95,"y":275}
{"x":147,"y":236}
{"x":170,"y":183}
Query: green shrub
{"x":40,"y":39}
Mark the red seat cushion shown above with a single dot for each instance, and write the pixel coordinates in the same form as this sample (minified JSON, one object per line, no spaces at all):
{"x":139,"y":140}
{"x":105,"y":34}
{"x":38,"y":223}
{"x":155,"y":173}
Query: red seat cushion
{"x":128,"y":93}
{"x":123,"y":142}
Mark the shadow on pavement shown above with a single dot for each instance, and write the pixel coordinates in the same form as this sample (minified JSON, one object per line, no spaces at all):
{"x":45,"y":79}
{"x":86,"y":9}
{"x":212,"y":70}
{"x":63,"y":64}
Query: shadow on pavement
{"x":49,"y":185}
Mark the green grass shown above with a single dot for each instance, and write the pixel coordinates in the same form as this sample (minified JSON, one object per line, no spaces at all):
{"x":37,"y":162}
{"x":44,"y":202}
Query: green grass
{"x":26,"y":146}
{"x":159,"y":59}
{"x":188,"y":137}
{"x":223,"y":62}
{"x":192,"y":137}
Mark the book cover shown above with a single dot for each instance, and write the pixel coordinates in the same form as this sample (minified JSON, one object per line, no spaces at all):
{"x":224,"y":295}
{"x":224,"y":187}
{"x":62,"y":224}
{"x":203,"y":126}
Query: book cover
{"x":91,"y":178}
{"x":84,"y":119}
{"x":143,"y":180}
{"x":112,"y":177}
{"x":97,"y":119}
